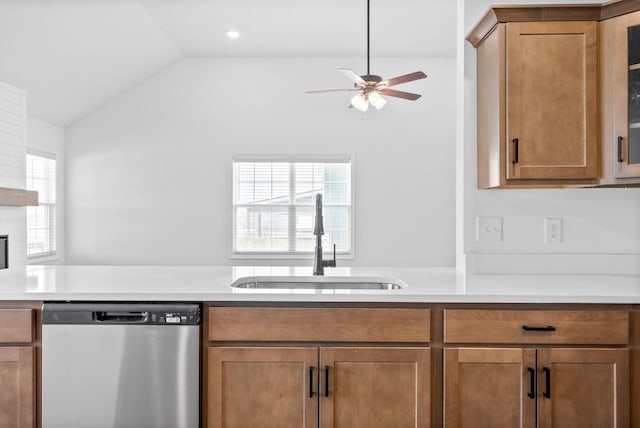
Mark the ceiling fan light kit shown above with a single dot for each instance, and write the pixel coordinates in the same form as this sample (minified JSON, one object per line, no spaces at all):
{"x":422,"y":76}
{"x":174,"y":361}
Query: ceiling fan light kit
{"x":371,"y":86}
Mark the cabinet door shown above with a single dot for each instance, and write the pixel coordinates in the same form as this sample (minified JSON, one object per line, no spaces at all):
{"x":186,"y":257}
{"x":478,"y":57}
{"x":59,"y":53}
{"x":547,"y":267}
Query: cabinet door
{"x":552,"y":110}
{"x":626,"y":100}
{"x":489,"y":387}
{"x":583,"y":388}
{"x":17,"y":391}
{"x":262,"y":387}
{"x":375,"y":387}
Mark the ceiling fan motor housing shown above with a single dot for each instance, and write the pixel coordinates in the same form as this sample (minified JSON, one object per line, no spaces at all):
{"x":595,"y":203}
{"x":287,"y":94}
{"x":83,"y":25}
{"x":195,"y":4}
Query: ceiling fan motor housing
{"x":371,"y":78}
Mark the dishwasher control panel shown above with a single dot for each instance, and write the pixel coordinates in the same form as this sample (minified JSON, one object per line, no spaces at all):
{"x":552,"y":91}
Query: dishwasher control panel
{"x":174,"y":318}
{"x":122,"y":313}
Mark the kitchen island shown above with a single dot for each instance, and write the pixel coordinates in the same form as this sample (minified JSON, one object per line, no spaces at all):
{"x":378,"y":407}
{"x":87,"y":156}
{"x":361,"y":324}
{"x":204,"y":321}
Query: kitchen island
{"x":213,"y":283}
{"x":548,"y":348}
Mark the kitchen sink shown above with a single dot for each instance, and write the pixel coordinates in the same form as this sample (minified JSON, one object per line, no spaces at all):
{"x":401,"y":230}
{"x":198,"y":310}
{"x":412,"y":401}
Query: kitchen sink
{"x":318,"y":283}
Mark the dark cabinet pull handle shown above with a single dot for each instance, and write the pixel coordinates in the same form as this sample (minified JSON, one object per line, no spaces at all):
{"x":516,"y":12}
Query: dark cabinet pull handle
{"x":515,"y":150}
{"x":547,"y":328}
{"x":620,"y":150}
{"x":547,"y":377}
{"x":532,"y":383}
{"x":326,"y":381}
{"x":310,"y":382}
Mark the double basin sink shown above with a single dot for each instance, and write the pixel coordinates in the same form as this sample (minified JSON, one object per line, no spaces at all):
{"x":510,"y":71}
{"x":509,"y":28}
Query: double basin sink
{"x":318,"y":283}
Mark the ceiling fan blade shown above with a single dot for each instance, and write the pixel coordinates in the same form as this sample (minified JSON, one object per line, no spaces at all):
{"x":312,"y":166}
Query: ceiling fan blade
{"x":352,"y":76}
{"x":331,"y":90}
{"x":400,"y":94}
{"x":403,"y":79}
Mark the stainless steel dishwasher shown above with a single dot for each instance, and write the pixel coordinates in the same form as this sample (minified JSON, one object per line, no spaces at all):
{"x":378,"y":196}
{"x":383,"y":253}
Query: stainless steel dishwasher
{"x":118,"y":365}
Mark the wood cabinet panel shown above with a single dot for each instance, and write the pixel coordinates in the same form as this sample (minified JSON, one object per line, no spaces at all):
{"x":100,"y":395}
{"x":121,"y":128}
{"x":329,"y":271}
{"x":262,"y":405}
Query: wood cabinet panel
{"x":489,"y":387}
{"x":16,"y":325}
{"x":319,"y":324}
{"x":261,"y":387}
{"x":375,"y":387}
{"x":17,"y":387}
{"x":583,"y":388}
{"x":491,"y":110}
{"x":537,"y":104}
{"x":552,"y":84}
{"x":507,"y":326}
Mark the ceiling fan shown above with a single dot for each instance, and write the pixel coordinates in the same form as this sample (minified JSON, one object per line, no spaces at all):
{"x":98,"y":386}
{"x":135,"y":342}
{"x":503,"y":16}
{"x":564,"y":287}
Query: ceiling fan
{"x":371,"y":86}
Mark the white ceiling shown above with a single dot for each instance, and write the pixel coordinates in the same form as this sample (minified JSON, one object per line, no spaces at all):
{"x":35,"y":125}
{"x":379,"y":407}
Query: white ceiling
{"x":71,"y":56}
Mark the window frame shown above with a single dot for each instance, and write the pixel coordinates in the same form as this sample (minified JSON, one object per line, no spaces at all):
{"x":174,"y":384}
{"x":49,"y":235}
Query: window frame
{"x":53,"y":231}
{"x":292,"y":158}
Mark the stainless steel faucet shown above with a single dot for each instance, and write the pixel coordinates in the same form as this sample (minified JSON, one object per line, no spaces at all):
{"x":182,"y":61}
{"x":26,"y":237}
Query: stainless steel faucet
{"x":318,"y":231}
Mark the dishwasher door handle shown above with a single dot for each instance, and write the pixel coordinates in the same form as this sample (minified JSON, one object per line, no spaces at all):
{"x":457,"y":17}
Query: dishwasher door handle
{"x":116,"y":317}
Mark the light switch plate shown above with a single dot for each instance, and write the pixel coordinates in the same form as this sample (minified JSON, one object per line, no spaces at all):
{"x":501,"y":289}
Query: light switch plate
{"x":489,"y":229}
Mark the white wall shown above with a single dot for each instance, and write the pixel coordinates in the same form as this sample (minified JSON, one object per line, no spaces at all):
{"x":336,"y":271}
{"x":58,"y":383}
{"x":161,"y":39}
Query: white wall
{"x":13,"y":220}
{"x":149,"y":174}
{"x":45,"y":137}
{"x":601,"y":227}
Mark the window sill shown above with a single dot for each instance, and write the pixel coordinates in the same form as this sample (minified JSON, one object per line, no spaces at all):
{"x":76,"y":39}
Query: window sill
{"x":36,"y":260}
{"x":257,"y":256}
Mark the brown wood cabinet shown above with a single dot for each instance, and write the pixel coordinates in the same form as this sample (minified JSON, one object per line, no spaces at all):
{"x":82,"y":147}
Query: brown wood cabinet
{"x":17,"y":369}
{"x":344,"y":369}
{"x":537,"y":104}
{"x":558,"y":90}
{"x":535,"y":385}
{"x":262,"y":387}
{"x":620,"y":99}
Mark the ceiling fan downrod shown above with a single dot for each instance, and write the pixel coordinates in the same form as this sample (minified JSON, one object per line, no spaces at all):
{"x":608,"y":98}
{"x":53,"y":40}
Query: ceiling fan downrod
{"x":368,"y":37}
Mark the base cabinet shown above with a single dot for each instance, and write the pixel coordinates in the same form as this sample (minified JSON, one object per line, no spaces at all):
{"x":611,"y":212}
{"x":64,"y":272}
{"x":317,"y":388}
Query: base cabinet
{"x":536,"y":368}
{"x":262,"y":387}
{"x":325,"y":366}
{"x":527,"y":387}
{"x":485,"y":387}
{"x":325,"y":387}
{"x":583,"y":387}
{"x":17,"y":391}
{"x":17,"y":369}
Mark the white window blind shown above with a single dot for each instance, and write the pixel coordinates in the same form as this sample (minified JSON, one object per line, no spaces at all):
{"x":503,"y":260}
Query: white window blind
{"x":41,"y":220}
{"x":274,"y":205}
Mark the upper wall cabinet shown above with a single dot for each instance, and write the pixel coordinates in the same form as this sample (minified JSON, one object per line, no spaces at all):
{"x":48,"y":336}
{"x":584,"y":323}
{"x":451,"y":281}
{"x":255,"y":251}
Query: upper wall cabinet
{"x":620,"y":99}
{"x":537,"y":97}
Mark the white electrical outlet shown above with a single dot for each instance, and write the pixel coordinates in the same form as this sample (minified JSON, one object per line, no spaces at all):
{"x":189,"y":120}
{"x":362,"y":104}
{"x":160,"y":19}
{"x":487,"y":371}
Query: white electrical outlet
{"x":552,"y":230}
{"x":489,"y":229}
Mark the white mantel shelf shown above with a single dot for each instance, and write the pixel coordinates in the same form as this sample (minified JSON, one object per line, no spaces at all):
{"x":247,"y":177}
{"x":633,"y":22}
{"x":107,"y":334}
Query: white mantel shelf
{"x":212,"y":283}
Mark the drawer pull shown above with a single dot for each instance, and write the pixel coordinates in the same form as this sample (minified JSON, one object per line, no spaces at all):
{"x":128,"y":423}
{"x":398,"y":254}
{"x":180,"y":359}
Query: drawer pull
{"x":547,"y":328}
{"x":532,"y":383}
{"x":547,"y":377}
{"x":311,"y":382}
{"x":326,"y":381}
{"x":515,"y":150}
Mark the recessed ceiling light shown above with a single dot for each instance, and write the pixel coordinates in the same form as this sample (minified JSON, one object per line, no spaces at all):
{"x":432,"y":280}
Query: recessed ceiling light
{"x":233,"y":34}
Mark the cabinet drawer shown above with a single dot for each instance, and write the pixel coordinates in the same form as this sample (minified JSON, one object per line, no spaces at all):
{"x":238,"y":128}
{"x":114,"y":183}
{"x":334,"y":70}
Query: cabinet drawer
{"x":537,"y":327}
{"x":16,"y":325}
{"x":319,"y":324}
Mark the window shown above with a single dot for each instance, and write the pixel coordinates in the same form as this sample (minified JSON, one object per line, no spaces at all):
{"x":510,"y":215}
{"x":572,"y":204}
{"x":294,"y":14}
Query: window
{"x":274,"y":205}
{"x":41,"y":220}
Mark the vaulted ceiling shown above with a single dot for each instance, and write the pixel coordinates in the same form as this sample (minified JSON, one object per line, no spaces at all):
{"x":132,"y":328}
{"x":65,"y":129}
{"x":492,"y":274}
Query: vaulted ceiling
{"x":71,"y":56}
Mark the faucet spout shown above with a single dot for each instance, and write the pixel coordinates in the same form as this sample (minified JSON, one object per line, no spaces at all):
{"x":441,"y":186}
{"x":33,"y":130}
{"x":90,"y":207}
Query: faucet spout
{"x":318,"y":231}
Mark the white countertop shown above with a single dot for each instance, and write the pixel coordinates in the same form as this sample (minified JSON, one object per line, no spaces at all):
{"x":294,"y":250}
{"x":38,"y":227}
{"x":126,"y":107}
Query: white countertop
{"x":212,"y":283}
